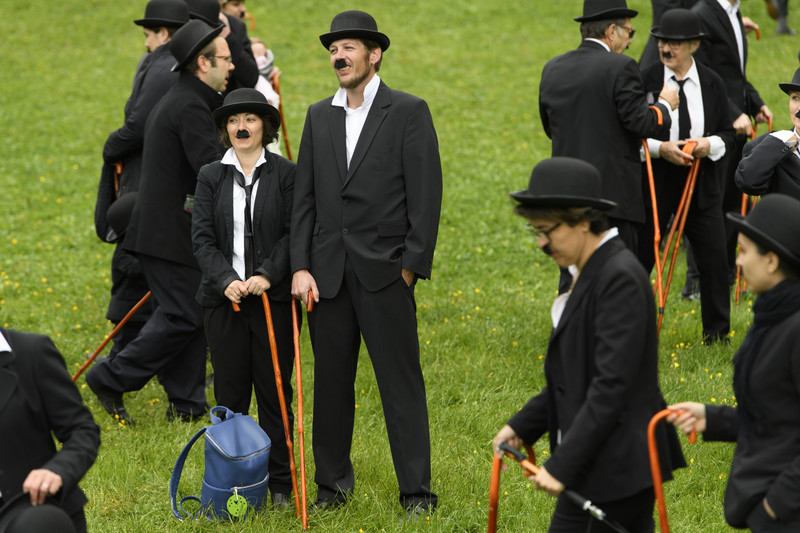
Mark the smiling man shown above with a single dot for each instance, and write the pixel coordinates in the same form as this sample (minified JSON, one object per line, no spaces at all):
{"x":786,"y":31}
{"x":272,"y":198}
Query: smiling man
{"x":367,"y":199}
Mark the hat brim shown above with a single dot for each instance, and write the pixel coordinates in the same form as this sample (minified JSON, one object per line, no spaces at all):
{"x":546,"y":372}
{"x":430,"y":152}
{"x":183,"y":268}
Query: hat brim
{"x":157,"y":23}
{"x":372,"y":35}
{"x":199,"y":45}
{"x":656,"y":33}
{"x":757,"y":235}
{"x":789,"y":88}
{"x":608,"y":14}
{"x":529,"y":200}
{"x":257,"y":108}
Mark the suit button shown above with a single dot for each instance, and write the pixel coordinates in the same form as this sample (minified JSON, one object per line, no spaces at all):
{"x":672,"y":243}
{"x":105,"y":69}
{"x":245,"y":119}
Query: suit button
{"x":345,"y":231}
{"x":346,"y":201}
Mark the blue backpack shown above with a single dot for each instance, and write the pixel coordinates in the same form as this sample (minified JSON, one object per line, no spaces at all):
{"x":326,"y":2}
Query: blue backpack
{"x":235,"y":477}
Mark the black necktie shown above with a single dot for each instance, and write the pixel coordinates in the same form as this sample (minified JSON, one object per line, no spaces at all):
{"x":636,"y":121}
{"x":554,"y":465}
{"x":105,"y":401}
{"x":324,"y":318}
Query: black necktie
{"x":684,"y":122}
{"x":248,"y":221}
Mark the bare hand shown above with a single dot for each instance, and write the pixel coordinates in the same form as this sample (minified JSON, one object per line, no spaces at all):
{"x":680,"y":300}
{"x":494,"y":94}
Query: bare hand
{"x":235,"y":291}
{"x":257,"y":284}
{"x":749,"y":25}
{"x":670,"y":95}
{"x":274,"y":73}
{"x":693,"y":418}
{"x":41,"y":483}
{"x":408,"y":276}
{"x":671,"y":151}
{"x":544,"y":481}
{"x":742,"y":125}
{"x":764,"y":115}
{"x":226,"y":30}
{"x":507,"y":434}
{"x":302,"y":282}
{"x":703,"y":146}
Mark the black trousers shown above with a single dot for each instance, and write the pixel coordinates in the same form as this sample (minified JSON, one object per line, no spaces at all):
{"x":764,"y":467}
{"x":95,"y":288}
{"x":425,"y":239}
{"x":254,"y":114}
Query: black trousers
{"x":387,"y":321}
{"x":760,"y":522}
{"x":242,"y":360}
{"x":171,"y":344}
{"x":706,"y":231}
{"x":634,"y":513}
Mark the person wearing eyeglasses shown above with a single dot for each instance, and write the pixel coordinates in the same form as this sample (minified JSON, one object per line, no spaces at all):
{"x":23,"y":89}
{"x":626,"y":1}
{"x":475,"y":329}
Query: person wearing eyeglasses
{"x":180,"y":137}
{"x":593,"y":107}
{"x":601,"y":367}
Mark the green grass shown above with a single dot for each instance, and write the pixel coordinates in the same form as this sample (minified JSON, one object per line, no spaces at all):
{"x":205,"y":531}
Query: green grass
{"x":483,"y":319}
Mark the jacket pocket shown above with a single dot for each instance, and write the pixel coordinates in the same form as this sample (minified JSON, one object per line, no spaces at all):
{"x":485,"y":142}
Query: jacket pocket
{"x":392,"y":229}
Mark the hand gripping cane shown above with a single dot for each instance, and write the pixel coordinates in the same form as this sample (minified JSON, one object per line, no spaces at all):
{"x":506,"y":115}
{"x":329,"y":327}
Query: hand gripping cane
{"x":655,"y":466}
{"x":527,"y":464}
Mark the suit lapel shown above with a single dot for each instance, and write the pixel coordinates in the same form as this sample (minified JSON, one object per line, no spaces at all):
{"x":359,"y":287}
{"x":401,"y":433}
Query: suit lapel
{"x":725,"y":22}
{"x":226,"y":189}
{"x":264,"y":184}
{"x":8,"y":379}
{"x":377,"y":113}
{"x":338,"y":131}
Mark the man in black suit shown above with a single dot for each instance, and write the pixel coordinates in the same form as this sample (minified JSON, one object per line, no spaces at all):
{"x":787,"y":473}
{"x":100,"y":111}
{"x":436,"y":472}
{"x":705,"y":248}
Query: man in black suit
{"x":650,"y":54}
{"x":367,"y":199}
{"x":180,"y":138}
{"x":725,"y":51}
{"x":593,"y":106}
{"x":703,"y":117}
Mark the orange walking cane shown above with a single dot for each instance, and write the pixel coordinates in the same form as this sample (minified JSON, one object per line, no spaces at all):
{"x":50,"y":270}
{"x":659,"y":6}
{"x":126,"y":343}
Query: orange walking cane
{"x":276,"y":84}
{"x":528,"y":464}
{"x":300,"y":425}
{"x":655,"y":466}
{"x":111,"y":335}
{"x":659,"y":288}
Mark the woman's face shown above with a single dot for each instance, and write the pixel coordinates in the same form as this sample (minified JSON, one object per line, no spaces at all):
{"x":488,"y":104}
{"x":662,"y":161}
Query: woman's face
{"x":758,"y":270}
{"x":564,"y":243}
{"x":245,"y":131}
{"x":794,"y":107}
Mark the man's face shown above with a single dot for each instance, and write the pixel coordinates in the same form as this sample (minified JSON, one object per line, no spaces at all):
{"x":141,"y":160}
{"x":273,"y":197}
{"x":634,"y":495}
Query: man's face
{"x":352,"y":62}
{"x":794,"y":108}
{"x":676,"y":55}
{"x":217,"y":75}
{"x":154,"y":39}
{"x":235,"y":8}
{"x":622,"y":37}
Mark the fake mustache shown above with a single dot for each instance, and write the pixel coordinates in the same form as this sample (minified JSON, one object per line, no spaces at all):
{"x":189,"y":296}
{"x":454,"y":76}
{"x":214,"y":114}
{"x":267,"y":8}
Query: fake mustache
{"x":797,"y":114}
{"x":340,"y":63}
{"x":546,"y":249}
{"x":242,"y":134}
{"x":666,"y":55}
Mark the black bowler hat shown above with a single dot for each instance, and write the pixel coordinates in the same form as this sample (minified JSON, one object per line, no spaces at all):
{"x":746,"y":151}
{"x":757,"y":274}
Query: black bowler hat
{"x":354,"y":24}
{"x":119,"y":214}
{"x":564,"y":182}
{"x":678,"y":25}
{"x":794,"y":85}
{"x":246,"y":101}
{"x":774,"y":223}
{"x":205,"y":10}
{"x":168,"y":13}
{"x":189,"y":40}
{"x":605,"y":10}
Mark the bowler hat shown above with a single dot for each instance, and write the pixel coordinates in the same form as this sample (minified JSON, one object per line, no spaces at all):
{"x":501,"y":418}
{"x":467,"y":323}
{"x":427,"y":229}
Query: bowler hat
{"x":678,"y":25}
{"x":564,"y":182}
{"x":246,"y":100}
{"x":354,"y":24}
{"x":794,"y":85}
{"x":169,"y":13}
{"x":119,"y":213}
{"x":205,"y":10}
{"x":774,"y":223}
{"x":605,"y":10}
{"x":189,"y":40}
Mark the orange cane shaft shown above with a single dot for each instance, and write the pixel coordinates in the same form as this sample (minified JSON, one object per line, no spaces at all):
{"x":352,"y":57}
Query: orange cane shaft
{"x":656,"y":229}
{"x":494,"y":494}
{"x":111,"y":335}
{"x":279,"y":385}
{"x":300,"y":425}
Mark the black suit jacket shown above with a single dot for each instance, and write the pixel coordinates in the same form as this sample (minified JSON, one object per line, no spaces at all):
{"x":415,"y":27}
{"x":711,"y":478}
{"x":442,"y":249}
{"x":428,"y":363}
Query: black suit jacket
{"x":246,"y":72}
{"x":768,"y":166}
{"x":180,"y":138}
{"x":766,"y":465}
{"x":720,"y":52}
{"x":212,"y":228}
{"x":602,"y":383}
{"x":650,"y":53}
{"x":383,"y":212}
{"x":37,"y":397}
{"x":593,"y":106}
{"x":708,"y":190}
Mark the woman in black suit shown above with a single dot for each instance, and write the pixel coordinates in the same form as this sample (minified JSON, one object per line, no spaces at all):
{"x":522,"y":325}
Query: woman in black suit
{"x":39,"y":400}
{"x":602,"y":360}
{"x":764,"y":482}
{"x":240,"y":235}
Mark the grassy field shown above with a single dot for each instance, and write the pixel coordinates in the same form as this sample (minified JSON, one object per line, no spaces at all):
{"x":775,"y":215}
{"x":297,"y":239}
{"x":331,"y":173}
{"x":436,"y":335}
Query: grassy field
{"x":484,"y":317}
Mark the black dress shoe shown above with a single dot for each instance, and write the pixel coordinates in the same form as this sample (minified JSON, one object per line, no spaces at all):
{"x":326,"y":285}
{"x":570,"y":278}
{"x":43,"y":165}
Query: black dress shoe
{"x":416,"y":513}
{"x":281,"y":501}
{"x":331,"y":504}
{"x":181,"y":416}
{"x":112,"y":403}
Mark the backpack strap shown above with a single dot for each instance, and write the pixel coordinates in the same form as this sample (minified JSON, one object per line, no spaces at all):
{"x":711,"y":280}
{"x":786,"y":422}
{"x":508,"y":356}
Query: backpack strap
{"x":176,"y":477}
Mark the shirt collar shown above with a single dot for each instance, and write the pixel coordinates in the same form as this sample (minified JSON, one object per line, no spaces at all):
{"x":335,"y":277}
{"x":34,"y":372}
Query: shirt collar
{"x":729,"y":8}
{"x":691,"y":74}
{"x":230,"y":159}
{"x":4,"y":346}
{"x":340,"y":98}
{"x":601,"y":43}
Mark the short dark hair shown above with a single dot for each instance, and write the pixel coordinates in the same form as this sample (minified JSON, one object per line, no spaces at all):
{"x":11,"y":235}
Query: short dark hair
{"x":209,"y":51}
{"x":596,"y":29}
{"x":790,"y":271}
{"x":571,"y":216}
{"x":372,"y":45}
{"x":269,"y":132}
{"x":170,"y":29}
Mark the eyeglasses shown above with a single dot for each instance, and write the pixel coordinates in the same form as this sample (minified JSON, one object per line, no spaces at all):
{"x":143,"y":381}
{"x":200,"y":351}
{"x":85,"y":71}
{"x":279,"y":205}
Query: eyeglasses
{"x":228,"y":59}
{"x":631,"y":31}
{"x":670,"y":44}
{"x":542,"y":232}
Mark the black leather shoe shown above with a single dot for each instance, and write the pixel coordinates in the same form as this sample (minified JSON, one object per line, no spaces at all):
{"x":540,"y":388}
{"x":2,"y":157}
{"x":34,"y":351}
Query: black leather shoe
{"x":327,"y":505}
{"x":281,"y":501}
{"x":417,"y":512}
{"x":691,"y":291}
{"x":113,"y":404}
{"x":173,"y":414}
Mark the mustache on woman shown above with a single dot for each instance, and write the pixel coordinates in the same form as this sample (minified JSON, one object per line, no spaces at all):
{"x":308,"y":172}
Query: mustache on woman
{"x":242,"y":134}
{"x":340,"y":63}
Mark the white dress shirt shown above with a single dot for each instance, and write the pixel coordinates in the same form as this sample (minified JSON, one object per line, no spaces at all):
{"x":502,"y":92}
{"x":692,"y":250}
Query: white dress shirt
{"x":355,"y":118}
{"x":783,"y":135}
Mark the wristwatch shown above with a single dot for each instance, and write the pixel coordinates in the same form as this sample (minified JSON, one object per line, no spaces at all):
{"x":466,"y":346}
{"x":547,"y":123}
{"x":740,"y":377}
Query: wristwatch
{"x":791,"y":145}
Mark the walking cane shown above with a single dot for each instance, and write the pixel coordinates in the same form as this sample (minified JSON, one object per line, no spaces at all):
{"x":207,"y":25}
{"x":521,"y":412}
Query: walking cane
{"x":679,"y":222}
{"x":276,"y":84}
{"x":659,"y":288}
{"x":655,"y":466}
{"x":111,"y":335}
{"x":528,"y":464}
{"x":300,"y":425}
